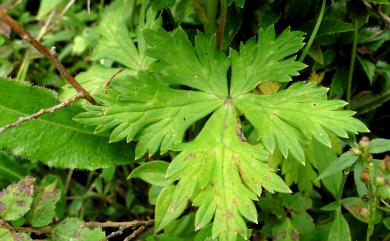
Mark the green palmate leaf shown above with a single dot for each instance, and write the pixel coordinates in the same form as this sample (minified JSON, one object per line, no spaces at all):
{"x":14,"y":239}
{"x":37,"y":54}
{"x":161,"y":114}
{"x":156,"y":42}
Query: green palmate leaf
{"x":265,"y":60}
{"x":297,"y":114}
{"x":53,"y":138}
{"x":73,"y":229}
{"x":222,"y":174}
{"x":150,"y":112}
{"x":152,"y":172}
{"x":379,"y":145}
{"x":218,"y":171}
{"x":346,"y":160}
{"x":16,"y":199}
{"x":43,"y":207}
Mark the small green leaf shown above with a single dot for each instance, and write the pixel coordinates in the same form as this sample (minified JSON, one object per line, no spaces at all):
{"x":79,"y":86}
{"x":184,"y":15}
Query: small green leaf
{"x":181,"y":9}
{"x":165,"y":213}
{"x":354,"y":205}
{"x":333,"y":206}
{"x":108,"y":173}
{"x":72,"y":229}
{"x":339,"y":230}
{"x":361,"y":187}
{"x":333,"y":26}
{"x":368,"y":67}
{"x":6,"y":235}
{"x":43,"y":207}
{"x":379,"y":145}
{"x":153,"y":193}
{"x":159,"y":5}
{"x":61,"y":203}
{"x":324,"y":157}
{"x":153,"y":172}
{"x":16,"y":199}
{"x":315,"y":53}
{"x":285,"y":231}
{"x":344,"y":161}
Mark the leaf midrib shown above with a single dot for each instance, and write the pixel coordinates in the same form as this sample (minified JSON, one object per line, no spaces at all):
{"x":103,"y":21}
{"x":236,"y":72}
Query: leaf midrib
{"x":47,"y":121}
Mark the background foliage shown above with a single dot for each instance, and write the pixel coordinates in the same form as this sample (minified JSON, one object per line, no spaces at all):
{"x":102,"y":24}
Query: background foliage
{"x":96,"y":39}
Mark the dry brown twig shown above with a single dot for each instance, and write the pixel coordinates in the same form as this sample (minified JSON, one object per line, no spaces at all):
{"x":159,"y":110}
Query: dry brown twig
{"x":140,"y":225}
{"x":109,"y":81}
{"x":43,"y":230}
{"x":40,"y":113}
{"x":135,"y":233}
{"x":110,"y":224}
{"x":46,"y":52}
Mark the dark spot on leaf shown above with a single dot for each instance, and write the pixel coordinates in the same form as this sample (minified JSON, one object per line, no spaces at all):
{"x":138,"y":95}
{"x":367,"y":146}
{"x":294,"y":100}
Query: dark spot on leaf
{"x":20,"y":203}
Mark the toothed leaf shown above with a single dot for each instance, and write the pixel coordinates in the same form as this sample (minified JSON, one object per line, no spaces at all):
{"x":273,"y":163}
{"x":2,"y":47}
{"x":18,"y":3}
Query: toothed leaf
{"x":296,"y":115}
{"x":222,"y":174}
{"x":219,"y":171}
{"x":16,"y":199}
{"x":268,"y":59}
{"x":53,"y":138}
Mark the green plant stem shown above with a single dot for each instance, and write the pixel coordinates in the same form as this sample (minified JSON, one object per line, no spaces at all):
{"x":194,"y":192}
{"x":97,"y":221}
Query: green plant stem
{"x":211,"y":11}
{"x":342,"y":183}
{"x":221,"y":24}
{"x":314,"y":33}
{"x":200,"y":12}
{"x":352,"y":64}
